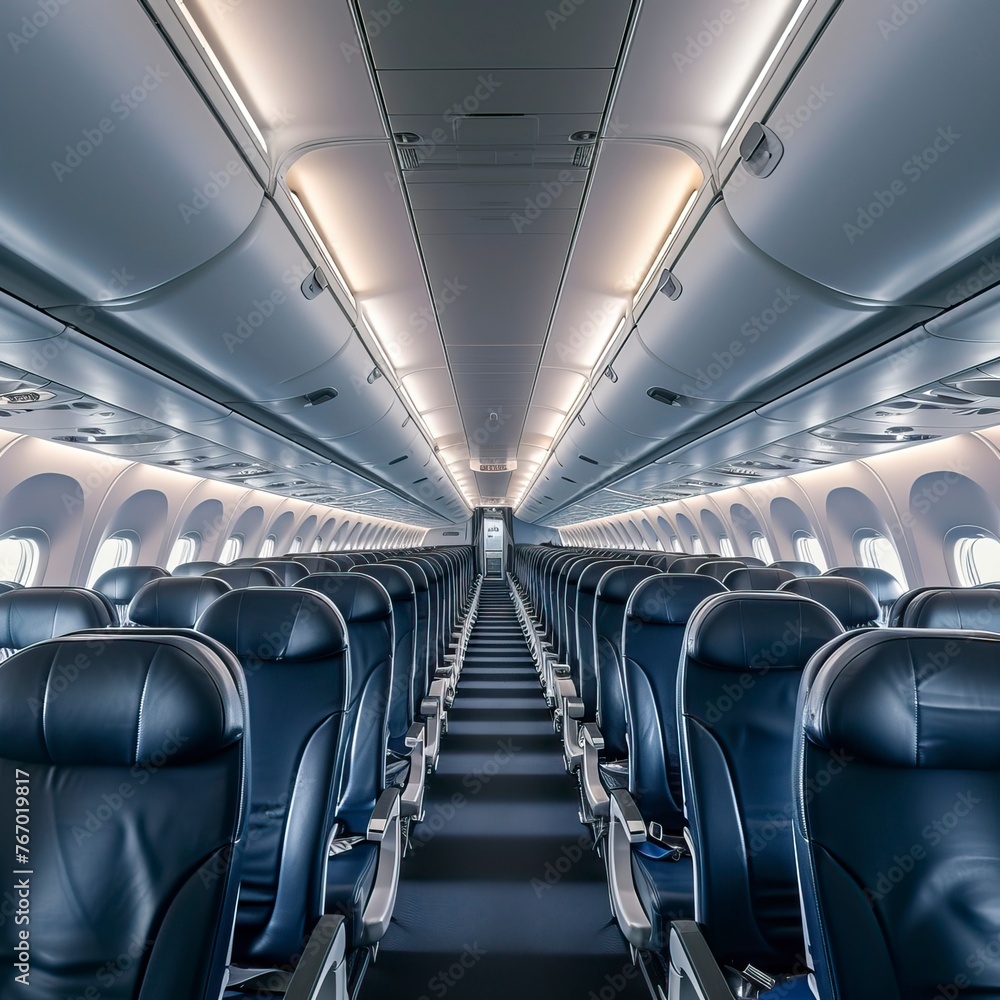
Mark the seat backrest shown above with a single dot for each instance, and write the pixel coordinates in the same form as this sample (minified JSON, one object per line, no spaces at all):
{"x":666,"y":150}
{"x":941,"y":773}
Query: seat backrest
{"x":422,"y":608}
{"x":133,"y":782}
{"x":688,"y":564}
{"x":404,"y":703}
{"x":239,"y":577}
{"x":288,"y":571}
{"x":756,"y":578}
{"x":798,"y":567}
{"x":897,"y":800}
{"x":718,"y":569}
{"x":752,"y":561}
{"x":739,"y":676}
{"x":656,"y":617}
{"x":317,"y":564}
{"x":32,"y":614}
{"x":902,"y":602}
{"x":852,"y":603}
{"x":121,"y":583}
{"x":197,"y":568}
{"x":955,"y":608}
{"x":611,"y":599}
{"x":883,"y":585}
{"x":174,"y":602}
{"x":366,"y":608}
{"x":292,"y":645}
{"x":584,"y":671}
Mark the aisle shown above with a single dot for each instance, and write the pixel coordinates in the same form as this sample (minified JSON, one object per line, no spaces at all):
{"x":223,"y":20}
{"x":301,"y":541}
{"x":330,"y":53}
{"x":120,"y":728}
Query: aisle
{"x":501,"y":896}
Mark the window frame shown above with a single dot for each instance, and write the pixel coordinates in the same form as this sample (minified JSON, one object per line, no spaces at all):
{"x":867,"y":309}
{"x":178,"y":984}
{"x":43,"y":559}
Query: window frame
{"x":127,"y":543}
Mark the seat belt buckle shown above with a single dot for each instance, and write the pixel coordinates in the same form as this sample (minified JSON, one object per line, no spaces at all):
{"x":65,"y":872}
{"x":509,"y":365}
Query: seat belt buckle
{"x":675,"y":845}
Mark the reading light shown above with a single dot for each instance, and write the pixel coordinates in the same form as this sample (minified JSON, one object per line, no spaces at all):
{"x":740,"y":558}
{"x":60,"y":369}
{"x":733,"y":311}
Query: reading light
{"x":374,"y":375}
{"x":665,"y":396}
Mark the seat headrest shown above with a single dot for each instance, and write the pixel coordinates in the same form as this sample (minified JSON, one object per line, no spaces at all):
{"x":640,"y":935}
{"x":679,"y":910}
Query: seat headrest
{"x":798,"y":567}
{"x":880,"y":582}
{"x":852,"y":602}
{"x":122,"y":583}
{"x":688,"y":564}
{"x":197,"y":568}
{"x":175,"y":602}
{"x":617,"y":584}
{"x":757,"y":631}
{"x":397,"y":584}
{"x":158,"y":701}
{"x":670,"y":599}
{"x":6,"y":585}
{"x":318,"y":564}
{"x":239,"y":577}
{"x":275,"y":624}
{"x":32,"y":614}
{"x":910,"y":698}
{"x":289,"y":571}
{"x":718,"y":568}
{"x":756,"y":578}
{"x":359,"y":598}
{"x":954,"y":608}
{"x":416,"y":574}
{"x":591,"y":576}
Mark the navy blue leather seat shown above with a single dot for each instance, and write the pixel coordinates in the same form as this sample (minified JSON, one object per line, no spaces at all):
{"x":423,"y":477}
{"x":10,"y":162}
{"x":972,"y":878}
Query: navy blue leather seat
{"x":288,"y":571}
{"x":6,"y":585}
{"x":318,"y":727}
{"x":120,"y":584}
{"x":884,"y":586}
{"x":718,"y":569}
{"x":739,"y":677}
{"x":689,"y":564}
{"x":956,"y":608}
{"x":756,"y":578}
{"x":852,"y":603}
{"x":655,"y":622}
{"x":897,"y":799}
{"x":197,"y":568}
{"x":239,"y":577}
{"x":899,"y":606}
{"x":175,"y":602}
{"x":317,"y":564}
{"x":137,"y":782}
{"x":612,"y":596}
{"x":799,"y":567}
{"x":32,"y":614}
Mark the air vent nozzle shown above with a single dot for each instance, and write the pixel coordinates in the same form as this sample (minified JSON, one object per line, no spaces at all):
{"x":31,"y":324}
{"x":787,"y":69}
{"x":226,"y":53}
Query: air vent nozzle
{"x":664,"y":396}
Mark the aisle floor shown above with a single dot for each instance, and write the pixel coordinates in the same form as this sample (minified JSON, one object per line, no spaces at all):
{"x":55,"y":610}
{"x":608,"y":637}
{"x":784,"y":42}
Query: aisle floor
{"x":501,"y":895}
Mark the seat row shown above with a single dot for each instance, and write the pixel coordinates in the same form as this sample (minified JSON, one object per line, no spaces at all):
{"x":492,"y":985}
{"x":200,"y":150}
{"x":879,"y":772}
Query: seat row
{"x":765,"y":798}
{"x":152,"y":819}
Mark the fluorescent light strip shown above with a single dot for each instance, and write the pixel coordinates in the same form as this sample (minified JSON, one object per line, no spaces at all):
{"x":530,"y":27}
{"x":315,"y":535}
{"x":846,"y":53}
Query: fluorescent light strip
{"x":751,"y":97}
{"x":671,"y":236}
{"x":324,"y":250}
{"x":222,"y":74}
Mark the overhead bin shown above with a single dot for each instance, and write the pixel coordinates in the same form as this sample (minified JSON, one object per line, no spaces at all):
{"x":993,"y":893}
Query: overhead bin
{"x":118,"y":177}
{"x":742,"y":322}
{"x":887,"y":187}
{"x":242,"y":317}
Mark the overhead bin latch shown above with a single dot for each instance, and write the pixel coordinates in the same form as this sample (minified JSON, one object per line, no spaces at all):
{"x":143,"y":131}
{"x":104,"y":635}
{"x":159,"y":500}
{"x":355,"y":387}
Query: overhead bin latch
{"x":760,"y":150}
{"x":314,"y":283}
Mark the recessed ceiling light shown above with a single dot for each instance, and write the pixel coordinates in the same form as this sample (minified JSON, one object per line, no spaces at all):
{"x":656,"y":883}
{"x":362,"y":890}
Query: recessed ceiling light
{"x":584,"y":135}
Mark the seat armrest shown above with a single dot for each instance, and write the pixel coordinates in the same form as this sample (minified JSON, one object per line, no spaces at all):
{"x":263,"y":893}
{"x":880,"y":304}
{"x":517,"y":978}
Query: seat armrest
{"x":694,"y":972}
{"x":626,"y":828}
{"x":385,"y":829}
{"x":412,"y":800}
{"x":574,"y":708}
{"x":385,"y":811}
{"x":429,"y":707}
{"x":322,"y":972}
{"x":590,"y":772}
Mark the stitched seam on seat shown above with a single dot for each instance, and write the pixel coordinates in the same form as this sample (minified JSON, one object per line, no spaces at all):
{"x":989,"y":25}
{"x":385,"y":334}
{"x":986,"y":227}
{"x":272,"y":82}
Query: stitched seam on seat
{"x":142,"y":705}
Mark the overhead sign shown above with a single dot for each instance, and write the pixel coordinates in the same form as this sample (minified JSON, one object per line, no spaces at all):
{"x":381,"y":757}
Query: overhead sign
{"x":506,"y":466}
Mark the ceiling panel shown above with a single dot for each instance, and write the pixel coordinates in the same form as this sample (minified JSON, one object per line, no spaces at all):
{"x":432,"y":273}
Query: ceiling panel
{"x":496,"y":92}
{"x":520,"y":33}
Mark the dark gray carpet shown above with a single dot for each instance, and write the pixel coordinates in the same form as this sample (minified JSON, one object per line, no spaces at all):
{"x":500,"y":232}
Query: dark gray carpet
{"x":501,"y":895}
